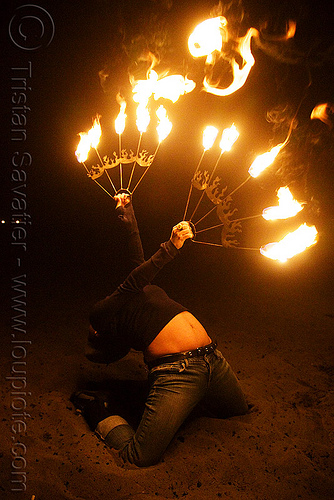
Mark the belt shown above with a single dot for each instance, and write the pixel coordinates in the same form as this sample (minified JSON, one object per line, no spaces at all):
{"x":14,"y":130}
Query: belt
{"x":170,"y":358}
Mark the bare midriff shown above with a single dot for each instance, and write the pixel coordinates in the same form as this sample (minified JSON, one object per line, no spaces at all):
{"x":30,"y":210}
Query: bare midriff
{"x":183,"y":333}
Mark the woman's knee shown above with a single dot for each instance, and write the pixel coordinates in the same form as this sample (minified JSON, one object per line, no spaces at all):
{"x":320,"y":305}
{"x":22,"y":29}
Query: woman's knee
{"x":131,"y":455}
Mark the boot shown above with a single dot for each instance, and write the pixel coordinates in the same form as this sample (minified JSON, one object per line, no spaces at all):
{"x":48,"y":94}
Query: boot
{"x":92,"y":405}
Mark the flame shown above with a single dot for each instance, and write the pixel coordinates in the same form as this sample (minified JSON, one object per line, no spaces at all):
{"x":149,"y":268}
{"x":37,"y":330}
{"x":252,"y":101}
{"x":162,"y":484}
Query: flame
{"x":209,"y":137}
{"x":240,"y":74}
{"x":143,"y":117}
{"x":291,"y":29}
{"x":144,"y":89}
{"x":83,"y":147}
{"x":292,"y":244}
{"x":169,"y":87}
{"x":208,"y":39}
{"x":165,"y":125}
{"x":323,"y":112}
{"x":172,"y":87}
{"x":95,"y":132}
{"x":263,"y":161}
{"x":287,"y":206}
{"x":229,"y":136}
{"x":120,"y":120}
{"x":290,"y":32}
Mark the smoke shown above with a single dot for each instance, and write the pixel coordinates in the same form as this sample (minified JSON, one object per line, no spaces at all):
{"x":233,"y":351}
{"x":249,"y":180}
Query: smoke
{"x":305,"y":164}
{"x":141,"y":33}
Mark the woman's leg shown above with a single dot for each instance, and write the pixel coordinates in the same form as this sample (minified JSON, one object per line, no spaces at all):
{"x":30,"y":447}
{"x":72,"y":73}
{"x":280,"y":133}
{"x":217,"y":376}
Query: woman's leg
{"x":224,"y":397}
{"x":175,"y":389}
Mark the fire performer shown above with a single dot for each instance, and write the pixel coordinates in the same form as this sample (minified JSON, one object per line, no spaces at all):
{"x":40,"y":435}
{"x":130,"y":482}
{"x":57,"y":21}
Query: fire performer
{"x":185,"y":366}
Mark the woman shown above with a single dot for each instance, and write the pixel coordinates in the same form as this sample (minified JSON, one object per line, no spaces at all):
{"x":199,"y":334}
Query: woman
{"x":185,"y":366}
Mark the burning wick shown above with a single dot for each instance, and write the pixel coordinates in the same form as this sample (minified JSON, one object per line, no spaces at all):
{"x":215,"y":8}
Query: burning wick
{"x":164,"y":128}
{"x":95,"y":135}
{"x":209,"y":136}
{"x":292,"y":244}
{"x":264,"y":160}
{"x":143,"y":120}
{"x":83,"y":148}
{"x":229,"y":136}
{"x":287,"y":206}
{"x":119,"y":127}
{"x":82,"y":153}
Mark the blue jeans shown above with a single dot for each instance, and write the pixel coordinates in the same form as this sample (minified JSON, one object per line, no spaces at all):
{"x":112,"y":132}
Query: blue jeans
{"x":175,"y":390}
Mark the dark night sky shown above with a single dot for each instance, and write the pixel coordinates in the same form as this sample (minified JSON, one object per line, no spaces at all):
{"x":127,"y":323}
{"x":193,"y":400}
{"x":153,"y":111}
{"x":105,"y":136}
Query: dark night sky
{"x":72,"y":235}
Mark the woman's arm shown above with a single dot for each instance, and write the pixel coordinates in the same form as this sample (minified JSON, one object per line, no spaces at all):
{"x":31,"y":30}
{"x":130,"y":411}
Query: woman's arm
{"x":146,"y":272}
{"x":126,"y":215}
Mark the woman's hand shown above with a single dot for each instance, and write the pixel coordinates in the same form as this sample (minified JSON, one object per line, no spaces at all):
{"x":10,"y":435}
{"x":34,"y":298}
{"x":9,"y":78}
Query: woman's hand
{"x":122,"y":199}
{"x":180,"y":233}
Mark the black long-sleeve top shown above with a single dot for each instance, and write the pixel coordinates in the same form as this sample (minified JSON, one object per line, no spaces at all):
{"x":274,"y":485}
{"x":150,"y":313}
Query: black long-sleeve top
{"x":134,"y":314}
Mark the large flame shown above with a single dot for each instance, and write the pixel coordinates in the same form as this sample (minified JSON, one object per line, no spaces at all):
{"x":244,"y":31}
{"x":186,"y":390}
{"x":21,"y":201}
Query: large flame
{"x":240,"y":74}
{"x":263,"y":161}
{"x":209,"y":136}
{"x":83,"y":147}
{"x":169,"y":87}
{"x":172,"y":87}
{"x":121,"y":117}
{"x":287,"y":206}
{"x":229,"y":136}
{"x":208,"y":36}
{"x":165,"y":125}
{"x":292,"y":244}
{"x":95,"y":132}
{"x":143,"y":89}
{"x":208,"y":39}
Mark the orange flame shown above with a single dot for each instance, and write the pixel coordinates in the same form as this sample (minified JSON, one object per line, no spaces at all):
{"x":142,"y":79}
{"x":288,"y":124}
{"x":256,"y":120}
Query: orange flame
{"x":143,"y":117}
{"x":287,"y":206}
{"x":95,"y":132}
{"x":264,"y":161}
{"x":290,"y":32}
{"x":143,"y":89}
{"x":291,"y":29}
{"x":172,"y":87}
{"x":229,"y":136}
{"x":292,"y":244}
{"x":83,"y":147}
{"x":169,"y":87}
{"x":165,"y":126}
{"x":209,"y":136}
{"x":208,"y":38}
{"x":323,"y":112}
{"x":120,"y":120}
{"x":240,"y":74}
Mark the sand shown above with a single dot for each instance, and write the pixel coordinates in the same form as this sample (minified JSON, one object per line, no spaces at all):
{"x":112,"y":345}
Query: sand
{"x":277,"y":335}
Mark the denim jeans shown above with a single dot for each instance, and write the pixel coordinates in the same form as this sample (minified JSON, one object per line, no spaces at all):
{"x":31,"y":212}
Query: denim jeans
{"x":175,"y":390}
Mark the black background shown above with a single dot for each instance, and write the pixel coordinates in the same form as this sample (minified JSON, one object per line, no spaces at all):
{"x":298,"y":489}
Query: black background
{"x":73,"y":245}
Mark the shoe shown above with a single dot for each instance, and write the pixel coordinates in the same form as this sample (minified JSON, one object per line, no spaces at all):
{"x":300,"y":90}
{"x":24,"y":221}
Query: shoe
{"x":92,"y":405}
